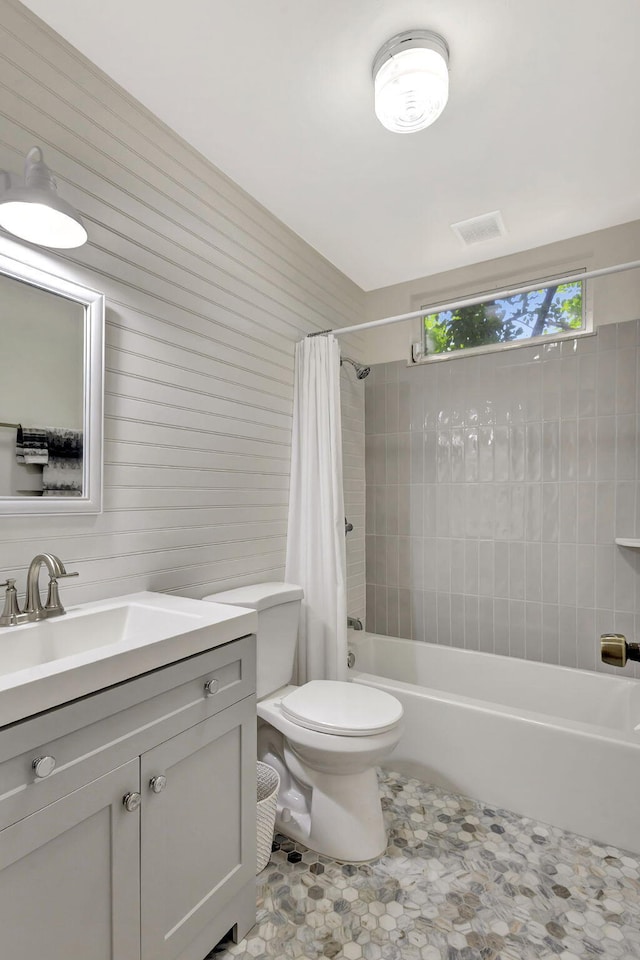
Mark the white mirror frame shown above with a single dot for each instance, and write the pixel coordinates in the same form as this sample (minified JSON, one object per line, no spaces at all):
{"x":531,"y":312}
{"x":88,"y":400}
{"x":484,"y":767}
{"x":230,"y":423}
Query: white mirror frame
{"x":93,"y":302}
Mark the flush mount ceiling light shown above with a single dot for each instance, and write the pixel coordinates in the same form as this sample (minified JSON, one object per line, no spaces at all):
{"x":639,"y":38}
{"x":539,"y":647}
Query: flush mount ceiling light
{"x":411,"y":79}
{"x":34,"y":211}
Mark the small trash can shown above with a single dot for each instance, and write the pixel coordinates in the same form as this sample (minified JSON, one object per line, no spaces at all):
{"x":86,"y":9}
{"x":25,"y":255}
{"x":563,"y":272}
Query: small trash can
{"x":268,"y":783}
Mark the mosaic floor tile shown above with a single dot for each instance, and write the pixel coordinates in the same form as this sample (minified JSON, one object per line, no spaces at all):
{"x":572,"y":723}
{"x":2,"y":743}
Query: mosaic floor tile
{"x":459,"y":881}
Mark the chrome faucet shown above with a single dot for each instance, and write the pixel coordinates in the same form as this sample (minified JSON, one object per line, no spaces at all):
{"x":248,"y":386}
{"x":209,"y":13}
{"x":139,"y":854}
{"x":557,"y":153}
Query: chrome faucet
{"x":33,"y":609}
{"x":33,"y":605}
{"x":354,"y":622}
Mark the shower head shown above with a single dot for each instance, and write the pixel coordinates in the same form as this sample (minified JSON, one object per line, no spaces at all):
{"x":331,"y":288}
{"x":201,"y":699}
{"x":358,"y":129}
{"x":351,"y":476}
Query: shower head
{"x":360,"y":369}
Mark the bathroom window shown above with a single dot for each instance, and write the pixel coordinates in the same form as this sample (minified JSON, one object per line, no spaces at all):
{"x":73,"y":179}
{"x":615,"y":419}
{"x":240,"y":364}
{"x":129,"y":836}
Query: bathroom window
{"x":553,"y":310}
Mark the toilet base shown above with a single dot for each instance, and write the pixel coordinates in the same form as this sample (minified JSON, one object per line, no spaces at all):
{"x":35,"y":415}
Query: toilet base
{"x":345,"y":819}
{"x":328,"y":798}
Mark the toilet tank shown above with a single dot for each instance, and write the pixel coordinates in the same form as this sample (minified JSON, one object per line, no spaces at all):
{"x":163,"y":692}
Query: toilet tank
{"x":278,"y":609}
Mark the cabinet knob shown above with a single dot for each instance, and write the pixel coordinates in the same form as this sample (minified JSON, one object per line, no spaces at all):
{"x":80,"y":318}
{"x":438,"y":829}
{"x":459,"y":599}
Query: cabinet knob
{"x":131,"y":802}
{"x":158,"y":784}
{"x":43,"y":767}
{"x":211,"y":687}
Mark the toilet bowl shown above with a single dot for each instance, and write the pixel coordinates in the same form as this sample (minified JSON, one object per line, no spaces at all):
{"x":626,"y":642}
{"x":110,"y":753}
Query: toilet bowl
{"x":325,"y":737}
{"x":329,"y":788}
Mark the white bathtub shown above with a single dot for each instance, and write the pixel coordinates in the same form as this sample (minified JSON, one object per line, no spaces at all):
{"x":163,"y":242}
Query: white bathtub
{"x":552,"y":743}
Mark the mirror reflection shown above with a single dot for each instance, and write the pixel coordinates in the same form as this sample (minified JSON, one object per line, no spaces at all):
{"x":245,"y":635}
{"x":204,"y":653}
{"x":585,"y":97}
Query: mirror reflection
{"x":51,"y":375}
{"x":41,"y":392}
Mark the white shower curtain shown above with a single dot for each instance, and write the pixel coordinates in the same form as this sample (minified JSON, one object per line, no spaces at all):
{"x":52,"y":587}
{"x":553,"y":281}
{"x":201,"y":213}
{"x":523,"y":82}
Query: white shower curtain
{"x":316,"y":557}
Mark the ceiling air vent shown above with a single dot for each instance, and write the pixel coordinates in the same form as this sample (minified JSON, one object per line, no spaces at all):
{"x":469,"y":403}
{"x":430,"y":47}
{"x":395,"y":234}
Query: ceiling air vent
{"x":478,"y":229}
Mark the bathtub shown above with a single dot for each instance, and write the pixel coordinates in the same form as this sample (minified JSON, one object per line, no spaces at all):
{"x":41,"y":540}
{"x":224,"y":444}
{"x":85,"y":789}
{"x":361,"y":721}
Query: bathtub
{"x":551,"y":743}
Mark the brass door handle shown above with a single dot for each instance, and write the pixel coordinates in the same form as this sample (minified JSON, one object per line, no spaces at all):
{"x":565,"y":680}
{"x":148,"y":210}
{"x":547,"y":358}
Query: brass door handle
{"x":616,"y":650}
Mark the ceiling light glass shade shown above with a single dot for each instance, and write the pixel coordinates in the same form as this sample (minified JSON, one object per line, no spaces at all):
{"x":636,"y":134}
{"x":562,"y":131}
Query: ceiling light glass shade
{"x":36,"y":213}
{"x":411,"y":79}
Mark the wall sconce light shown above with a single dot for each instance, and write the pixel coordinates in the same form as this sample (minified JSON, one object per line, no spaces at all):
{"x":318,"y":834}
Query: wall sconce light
{"x":411,"y":79}
{"x":34,"y":211}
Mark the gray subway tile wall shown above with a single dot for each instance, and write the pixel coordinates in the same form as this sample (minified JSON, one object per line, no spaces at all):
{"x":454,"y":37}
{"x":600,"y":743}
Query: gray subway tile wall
{"x":495,"y":488}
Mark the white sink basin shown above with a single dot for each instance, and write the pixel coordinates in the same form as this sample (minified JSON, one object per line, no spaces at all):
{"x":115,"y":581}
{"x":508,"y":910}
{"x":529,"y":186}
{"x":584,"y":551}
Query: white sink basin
{"x":87,"y":629}
{"x":95,"y":645}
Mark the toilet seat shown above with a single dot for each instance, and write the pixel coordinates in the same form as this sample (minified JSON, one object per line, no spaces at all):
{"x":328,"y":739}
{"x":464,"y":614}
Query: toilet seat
{"x":342,"y":708}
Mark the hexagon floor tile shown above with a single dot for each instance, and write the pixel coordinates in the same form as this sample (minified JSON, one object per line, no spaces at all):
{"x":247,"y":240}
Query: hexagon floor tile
{"x":459,"y":881}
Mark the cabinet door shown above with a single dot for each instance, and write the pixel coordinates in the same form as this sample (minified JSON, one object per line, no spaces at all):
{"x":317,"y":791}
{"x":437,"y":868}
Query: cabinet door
{"x":198,"y":833}
{"x":69,"y":876}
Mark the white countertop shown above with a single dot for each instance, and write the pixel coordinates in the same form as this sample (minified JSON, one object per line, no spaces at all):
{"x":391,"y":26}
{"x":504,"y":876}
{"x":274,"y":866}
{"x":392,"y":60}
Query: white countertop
{"x":29,"y":690}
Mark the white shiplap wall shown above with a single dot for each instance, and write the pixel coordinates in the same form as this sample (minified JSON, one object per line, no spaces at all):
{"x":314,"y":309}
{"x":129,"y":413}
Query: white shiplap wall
{"x":207,"y":294}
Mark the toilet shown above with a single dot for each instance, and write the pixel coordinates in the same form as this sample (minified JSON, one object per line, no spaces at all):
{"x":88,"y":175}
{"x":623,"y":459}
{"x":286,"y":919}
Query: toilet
{"x":325,"y":738}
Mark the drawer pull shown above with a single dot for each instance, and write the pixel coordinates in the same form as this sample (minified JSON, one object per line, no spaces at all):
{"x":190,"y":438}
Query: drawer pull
{"x":211,"y":687}
{"x":43,"y":767}
{"x":158,"y":784}
{"x":131,"y":802}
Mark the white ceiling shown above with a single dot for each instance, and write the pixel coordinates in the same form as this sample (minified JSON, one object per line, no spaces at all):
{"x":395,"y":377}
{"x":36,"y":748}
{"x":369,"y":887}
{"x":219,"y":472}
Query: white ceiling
{"x":543,"y":120}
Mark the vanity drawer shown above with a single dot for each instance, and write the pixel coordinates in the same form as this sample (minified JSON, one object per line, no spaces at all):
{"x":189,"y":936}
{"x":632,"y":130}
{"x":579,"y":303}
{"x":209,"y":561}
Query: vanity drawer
{"x":91,"y":736}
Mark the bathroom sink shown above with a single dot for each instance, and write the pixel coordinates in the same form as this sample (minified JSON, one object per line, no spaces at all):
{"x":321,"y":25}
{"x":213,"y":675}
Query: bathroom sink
{"x":85,"y":630}
{"x":95,"y":645}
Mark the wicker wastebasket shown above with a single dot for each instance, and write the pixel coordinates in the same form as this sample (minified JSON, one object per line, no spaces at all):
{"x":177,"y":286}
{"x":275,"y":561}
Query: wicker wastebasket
{"x":268,"y":783}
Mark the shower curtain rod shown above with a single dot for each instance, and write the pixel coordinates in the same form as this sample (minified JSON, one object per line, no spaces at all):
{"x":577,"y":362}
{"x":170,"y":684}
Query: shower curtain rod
{"x":474,"y":301}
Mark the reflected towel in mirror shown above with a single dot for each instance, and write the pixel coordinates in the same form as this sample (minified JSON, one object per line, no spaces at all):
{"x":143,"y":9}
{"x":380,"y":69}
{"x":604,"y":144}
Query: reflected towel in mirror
{"x":31,"y":445}
{"x":62,"y":477}
{"x":59,"y":451}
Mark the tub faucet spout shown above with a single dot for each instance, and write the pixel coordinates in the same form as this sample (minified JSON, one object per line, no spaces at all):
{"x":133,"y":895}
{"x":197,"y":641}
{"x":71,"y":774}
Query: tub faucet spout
{"x":354,"y":622}
{"x":615,"y":649}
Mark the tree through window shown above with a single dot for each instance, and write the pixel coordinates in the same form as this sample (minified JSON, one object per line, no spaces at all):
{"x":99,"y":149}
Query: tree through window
{"x":550,"y":311}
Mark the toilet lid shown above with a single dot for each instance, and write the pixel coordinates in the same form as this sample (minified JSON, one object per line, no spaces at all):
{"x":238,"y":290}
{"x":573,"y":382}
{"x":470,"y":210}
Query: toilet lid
{"x":342,"y":708}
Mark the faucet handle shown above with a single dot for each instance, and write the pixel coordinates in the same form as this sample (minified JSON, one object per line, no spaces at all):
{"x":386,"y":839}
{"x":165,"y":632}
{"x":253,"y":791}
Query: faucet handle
{"x":53,"y":606}
{"x":11,"y":613}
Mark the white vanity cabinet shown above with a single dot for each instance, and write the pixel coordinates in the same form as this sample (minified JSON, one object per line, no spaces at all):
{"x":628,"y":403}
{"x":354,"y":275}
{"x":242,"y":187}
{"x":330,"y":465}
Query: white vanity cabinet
{"x":138,"y":843}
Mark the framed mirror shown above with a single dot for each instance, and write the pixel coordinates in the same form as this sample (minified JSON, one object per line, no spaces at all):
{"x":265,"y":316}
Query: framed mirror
{"x":51,"y":393}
